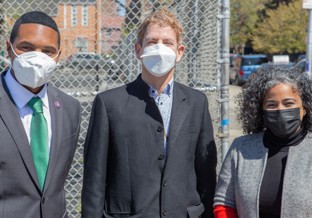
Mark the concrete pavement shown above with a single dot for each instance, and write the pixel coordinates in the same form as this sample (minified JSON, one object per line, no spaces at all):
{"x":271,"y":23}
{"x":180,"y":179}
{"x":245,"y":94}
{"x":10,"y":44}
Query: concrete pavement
{"x":235,"y":128}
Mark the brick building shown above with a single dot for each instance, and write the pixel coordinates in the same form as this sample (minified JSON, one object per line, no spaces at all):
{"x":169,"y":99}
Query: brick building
{"x":85,"y":25}
{"x":91,"y":26}
{"x":111,"y":33}
{"x":79,"y":26}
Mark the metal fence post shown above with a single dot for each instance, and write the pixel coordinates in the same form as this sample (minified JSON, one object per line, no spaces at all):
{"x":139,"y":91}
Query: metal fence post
{"x":309,"y":44}
{"x":225,"y":71}
{"x":307,"y":4}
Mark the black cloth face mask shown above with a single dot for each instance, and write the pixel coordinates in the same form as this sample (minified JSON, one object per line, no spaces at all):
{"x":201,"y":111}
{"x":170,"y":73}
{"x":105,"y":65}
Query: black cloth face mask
{"x":282,"y":123}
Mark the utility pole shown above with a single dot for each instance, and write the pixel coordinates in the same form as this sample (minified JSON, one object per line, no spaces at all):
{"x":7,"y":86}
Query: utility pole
{"x":225,"y":76}
{"x":307,"y":4}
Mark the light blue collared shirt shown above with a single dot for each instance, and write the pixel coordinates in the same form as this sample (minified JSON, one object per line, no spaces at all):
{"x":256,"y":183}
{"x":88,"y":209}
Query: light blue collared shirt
{"x":21,"y":97}
{"x":164,"y":104}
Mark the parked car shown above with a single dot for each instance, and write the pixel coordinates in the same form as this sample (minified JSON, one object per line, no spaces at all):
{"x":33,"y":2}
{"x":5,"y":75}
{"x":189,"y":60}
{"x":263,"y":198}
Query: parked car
{"x":264,"y":65}
{"x":88,"y":60}
{"x":244,"y":65}
{"x":302,"y":65}
{"x":300,"y":57}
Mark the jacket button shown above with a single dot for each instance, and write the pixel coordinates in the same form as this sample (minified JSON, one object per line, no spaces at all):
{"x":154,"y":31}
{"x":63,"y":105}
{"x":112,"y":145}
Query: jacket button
{"x":160,"y":129}
{"x":164,"y":213}
{"x":165,"y":183}
{"x":161,"y":157}
{"x":43,"y":200}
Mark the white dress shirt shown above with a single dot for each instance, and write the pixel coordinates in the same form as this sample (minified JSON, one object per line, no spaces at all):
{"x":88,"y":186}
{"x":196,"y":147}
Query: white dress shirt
{"x":21,"y":97}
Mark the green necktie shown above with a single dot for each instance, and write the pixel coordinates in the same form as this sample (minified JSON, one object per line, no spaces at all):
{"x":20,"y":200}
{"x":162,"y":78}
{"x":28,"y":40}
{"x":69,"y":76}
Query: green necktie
{"x":39,"y":139}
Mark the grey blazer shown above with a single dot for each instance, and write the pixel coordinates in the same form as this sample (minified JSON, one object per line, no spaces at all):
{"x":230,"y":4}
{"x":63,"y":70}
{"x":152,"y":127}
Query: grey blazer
{"x":126,"y":173}
{"x":20,"y":194}
{"x":241,"y":175}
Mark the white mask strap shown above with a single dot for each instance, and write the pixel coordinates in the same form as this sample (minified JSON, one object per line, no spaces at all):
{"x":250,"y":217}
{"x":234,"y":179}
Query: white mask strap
{"x":58,"y":53}
{"x":13,"y":50}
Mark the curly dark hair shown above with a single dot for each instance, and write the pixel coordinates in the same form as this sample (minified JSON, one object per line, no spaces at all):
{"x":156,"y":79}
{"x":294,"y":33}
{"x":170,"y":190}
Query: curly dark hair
{"x":250,"y":100}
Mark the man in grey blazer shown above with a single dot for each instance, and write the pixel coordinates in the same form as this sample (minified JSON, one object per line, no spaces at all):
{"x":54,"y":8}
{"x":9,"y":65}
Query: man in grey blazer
{"x":39,"y":124}
{"x":150,"y":150}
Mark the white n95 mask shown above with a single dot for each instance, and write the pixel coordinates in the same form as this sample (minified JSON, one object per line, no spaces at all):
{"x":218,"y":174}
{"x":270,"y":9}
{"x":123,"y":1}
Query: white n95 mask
{"x":33,"y":69}
{"x":158,"y":59}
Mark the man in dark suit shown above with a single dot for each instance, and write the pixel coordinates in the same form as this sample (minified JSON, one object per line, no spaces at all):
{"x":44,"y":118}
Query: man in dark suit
{"x":39,"y":124}
{"x":149,"y":149}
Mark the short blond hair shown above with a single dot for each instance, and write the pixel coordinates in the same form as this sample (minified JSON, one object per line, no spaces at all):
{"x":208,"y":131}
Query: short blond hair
{"x":163,"y":17}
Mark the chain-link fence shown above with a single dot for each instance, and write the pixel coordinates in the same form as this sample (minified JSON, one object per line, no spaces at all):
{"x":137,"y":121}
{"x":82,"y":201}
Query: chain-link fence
{"x":97,"y":42}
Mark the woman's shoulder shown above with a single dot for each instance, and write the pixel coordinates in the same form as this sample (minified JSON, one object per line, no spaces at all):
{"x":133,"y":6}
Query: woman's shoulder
{"x":251,"y":143}
{"x":247,"y":139}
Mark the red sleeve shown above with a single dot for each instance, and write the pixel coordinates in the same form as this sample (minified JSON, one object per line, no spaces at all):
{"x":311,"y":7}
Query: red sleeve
{"x":221,"y":211}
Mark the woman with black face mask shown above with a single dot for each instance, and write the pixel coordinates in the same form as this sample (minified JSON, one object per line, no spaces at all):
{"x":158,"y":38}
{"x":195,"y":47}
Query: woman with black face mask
{"x":268,"y":172}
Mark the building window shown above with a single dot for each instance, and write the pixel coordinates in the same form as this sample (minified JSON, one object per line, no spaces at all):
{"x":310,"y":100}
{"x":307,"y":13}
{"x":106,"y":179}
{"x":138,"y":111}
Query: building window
{"x":81,"y":43}
{"x":121,"y":7}
{"x":108,"y":31}
{"x":85,"y":15}
{"x":74,"y":15}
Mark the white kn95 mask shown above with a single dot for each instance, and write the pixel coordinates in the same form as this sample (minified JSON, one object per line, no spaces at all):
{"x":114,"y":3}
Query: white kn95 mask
{"x":158,"y":59}
{"x":33,"y":69}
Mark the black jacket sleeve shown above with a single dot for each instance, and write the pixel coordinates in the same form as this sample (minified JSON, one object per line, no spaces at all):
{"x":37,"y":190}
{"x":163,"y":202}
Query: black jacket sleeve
{"x":95,"y":161}
{"x":206,"y":161}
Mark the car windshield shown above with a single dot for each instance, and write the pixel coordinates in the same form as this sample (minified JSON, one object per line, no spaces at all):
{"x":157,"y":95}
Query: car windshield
{"x":254,"y":61}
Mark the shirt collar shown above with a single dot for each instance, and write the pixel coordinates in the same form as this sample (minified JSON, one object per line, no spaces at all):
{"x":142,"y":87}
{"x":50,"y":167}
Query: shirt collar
{"x":20,"y":94}
{"x":167,"y":90}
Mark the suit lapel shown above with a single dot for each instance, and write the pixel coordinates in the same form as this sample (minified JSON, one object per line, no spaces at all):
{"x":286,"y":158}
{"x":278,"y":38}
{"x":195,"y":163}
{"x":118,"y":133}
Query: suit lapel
{"x":178,"y":113}
{"x":139,"y":89}
{"x":12,"y":120}
{"x":56,"y":111}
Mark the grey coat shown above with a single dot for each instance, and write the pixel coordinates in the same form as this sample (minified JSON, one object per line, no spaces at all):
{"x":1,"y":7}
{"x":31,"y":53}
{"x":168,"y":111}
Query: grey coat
{"x":20,"y":193}
{"x":242,"y":171}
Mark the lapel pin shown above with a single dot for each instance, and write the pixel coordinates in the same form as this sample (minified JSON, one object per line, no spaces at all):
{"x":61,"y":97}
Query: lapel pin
{"x":57,"y":104}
